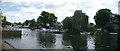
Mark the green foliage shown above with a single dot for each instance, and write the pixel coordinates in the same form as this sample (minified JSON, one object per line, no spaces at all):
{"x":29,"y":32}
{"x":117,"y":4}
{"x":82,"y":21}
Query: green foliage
{"x":115,"y":23}
{"x":102,"y":17}
{"x":76,"y":41}
{"x":117,"y":17}
{"x":26,"y":22}
{"x":81,"y":20}
{"x":5,"y":22}
{"x":1,"y":19}
{"x":78,"y":22}
{"x":32,"y":23}
{"x":67,"y":23}
{"x":91,"y":27}
{"x":19,"y":23}
{"x":46,"y":18}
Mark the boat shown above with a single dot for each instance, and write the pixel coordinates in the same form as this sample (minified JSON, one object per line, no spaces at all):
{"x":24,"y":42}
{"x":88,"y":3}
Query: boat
{"x":55,"y":31}
{"x":84,"y":33}
{"x":52,"y":30}
{"x":68,"y":47}
{"x":113,"y":33}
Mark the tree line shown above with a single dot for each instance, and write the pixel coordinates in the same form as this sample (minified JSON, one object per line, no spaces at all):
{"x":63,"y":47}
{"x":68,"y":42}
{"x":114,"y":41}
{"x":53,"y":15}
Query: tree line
{"x":104,"y":19}
{"x":45,"y":20}
{"x":78,"y":22}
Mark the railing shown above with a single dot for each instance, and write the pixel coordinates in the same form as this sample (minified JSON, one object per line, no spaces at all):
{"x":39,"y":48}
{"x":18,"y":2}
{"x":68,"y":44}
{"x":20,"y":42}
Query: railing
{"x":10,"y":28}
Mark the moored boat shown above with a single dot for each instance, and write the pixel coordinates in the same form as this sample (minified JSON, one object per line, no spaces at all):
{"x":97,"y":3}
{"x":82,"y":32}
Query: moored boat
{"x":112,"y":33}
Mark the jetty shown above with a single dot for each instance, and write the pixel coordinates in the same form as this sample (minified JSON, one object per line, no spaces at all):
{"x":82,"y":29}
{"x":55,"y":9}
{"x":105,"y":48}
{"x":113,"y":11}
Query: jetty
{"x":6,"y":45}
{"x":10,"y":31}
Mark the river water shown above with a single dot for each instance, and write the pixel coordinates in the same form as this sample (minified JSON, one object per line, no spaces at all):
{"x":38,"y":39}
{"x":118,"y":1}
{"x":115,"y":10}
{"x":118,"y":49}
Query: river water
{"x":41,"y":40}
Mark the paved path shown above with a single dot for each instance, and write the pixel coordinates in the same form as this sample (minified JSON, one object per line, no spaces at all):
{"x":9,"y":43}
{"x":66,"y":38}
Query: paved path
{"x":7,"y":46}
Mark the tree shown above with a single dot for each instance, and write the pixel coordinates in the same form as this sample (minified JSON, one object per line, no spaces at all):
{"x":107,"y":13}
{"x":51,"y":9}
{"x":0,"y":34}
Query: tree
{"x":1,"y":17}
{"x":81,"y":20}
{"x":102,"y":17}
{"x":15,"y":23}
{"x":19,"y":23}
{"x":117,"y":18}
{"x":46,"y":18}
{"x":91,"y":27}
{"x":32,"y":23}
{"x":116,"y":22}
{"x":5,"y":22}
{"x":67,"y":23}
{"x":26,"y":22}
{"x":78,"y":22}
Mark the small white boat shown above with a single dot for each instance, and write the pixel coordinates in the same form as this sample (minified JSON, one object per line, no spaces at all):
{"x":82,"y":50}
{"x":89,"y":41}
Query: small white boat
{"x":52,"y":30}
{"x":68,"y":47}
{"x":113,"y":33}
{"x":84,"y":33}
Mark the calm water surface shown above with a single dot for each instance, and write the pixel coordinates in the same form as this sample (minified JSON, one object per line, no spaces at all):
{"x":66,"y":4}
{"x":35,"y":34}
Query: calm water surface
{"x":37,"y":40}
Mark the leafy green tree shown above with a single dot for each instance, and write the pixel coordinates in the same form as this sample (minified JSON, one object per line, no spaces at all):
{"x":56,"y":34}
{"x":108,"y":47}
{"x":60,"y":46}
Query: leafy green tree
{"x":32,"y":23}
{"x":102,"y":17}
{"x":117,"y":18}
{"x":26,"y":22}
{"x":14,"y":24}
{"x":67,"y":23}
{"x":78,"y":22}
{"x":81,"y":20}
{"x":19,"y":23}
{"x":46,"y":18}
{"x":91,"y":27}
{"x":1,"y":17}
{"x":116,"y":22}
{"x":5,"y":22}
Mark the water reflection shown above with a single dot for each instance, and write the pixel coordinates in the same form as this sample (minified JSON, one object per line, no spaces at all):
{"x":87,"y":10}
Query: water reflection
{"x":90,"y":42}
{"x":46,"y":40}
{"x":75,"y":40}
{"x":29,"y":41}
{"x":68,"y":40}
{"x":58,"y":43}
{"x":106,"y":42}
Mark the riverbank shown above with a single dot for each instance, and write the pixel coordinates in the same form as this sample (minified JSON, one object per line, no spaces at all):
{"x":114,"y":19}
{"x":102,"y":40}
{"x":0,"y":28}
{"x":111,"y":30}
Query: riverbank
{"x":11,"y":31}
{"x":6,"y":45}
{"x":7,"y":33}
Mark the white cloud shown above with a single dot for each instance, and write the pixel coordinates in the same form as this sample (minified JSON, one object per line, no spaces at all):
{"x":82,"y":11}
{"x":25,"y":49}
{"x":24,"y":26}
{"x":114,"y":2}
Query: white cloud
{"x":61,"y":8}
{"x":23,"y":14}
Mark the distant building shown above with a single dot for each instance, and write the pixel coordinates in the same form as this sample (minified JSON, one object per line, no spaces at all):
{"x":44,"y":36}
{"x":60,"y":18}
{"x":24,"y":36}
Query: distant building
{"x":58,"y":25}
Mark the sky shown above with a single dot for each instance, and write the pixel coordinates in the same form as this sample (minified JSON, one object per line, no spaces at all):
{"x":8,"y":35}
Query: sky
{"x":21,"y":10}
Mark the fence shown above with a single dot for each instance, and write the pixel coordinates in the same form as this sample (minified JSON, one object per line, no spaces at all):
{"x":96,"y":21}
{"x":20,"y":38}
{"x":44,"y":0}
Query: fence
{"x":11,"y":28}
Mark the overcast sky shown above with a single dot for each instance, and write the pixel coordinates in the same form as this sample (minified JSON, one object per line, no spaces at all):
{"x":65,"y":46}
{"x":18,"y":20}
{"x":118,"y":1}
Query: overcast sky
{"x":21,"y":10}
